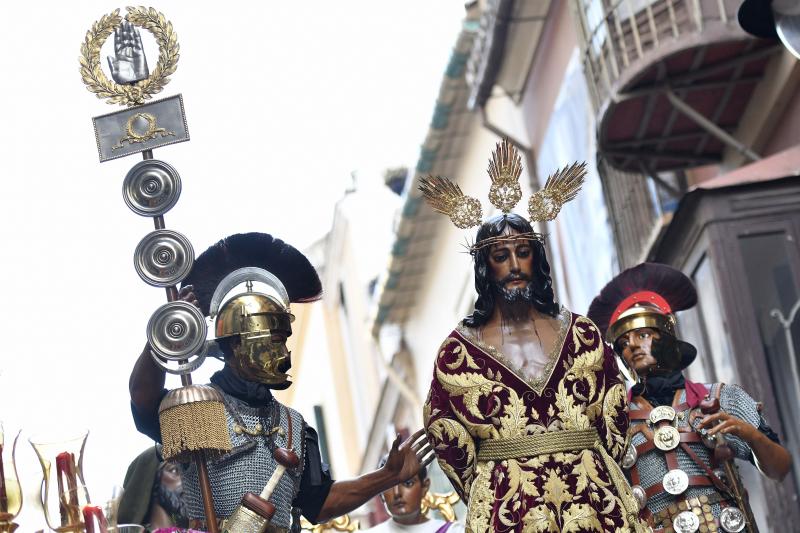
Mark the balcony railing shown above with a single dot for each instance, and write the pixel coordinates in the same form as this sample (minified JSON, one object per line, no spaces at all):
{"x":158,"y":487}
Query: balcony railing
{"x":616,"y":34}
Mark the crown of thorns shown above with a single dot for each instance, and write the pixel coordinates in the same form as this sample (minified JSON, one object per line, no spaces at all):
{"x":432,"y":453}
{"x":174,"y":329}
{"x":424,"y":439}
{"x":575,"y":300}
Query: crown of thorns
{"x":505,"y":168}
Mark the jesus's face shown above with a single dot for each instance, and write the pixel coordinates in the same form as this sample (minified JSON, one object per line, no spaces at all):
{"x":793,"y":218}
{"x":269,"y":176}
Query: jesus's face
{"x":511,"y":266}
{"x":511,"y":262}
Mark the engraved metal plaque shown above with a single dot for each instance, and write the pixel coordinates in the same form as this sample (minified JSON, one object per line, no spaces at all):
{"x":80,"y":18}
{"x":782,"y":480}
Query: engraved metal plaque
{"x":666,"y":438}
{"x":732,"y":520}
{"x":662,"y":412}
{"x":141,"y":128}
{"x":676,"y":481}
{"x":686,"y":522}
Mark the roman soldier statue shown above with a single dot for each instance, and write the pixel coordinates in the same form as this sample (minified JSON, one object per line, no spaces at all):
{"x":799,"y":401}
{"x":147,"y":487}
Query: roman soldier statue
{"x":683,"y":436}
{"x":246,"y":282}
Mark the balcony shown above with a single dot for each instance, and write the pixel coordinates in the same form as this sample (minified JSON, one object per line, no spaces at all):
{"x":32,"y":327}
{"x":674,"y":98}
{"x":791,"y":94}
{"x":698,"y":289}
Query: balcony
{"x":669,"y":79}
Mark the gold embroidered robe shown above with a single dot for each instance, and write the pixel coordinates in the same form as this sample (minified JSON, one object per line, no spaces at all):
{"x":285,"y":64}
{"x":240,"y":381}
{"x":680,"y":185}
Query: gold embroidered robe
{"x":476,"y":395}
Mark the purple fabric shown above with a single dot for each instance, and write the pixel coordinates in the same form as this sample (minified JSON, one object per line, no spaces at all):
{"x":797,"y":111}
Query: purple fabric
{"x":476,"y":395}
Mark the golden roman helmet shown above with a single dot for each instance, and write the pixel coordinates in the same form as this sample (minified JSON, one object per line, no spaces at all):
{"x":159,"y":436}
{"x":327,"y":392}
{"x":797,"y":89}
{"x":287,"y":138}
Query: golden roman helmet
{"x":250,"y":306}
{"x":641,"y":315}
{"x":647,"y":296}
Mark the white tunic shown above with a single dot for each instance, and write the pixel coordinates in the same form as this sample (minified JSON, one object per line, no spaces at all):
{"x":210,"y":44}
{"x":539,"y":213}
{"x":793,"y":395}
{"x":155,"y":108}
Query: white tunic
{"x":431,"y":526}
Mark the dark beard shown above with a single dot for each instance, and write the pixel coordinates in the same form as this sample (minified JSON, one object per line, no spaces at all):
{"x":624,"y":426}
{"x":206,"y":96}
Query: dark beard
{"x":172,"y":502}
{"x":515,"y":304}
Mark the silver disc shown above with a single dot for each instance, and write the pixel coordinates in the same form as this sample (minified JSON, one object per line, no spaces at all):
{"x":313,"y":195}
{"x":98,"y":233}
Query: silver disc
{"x":189,"y":365}
{"x":163,"y":258}
{"x":686,"y":522}
{"x":629,"y":459}
{"x":732,"y":520}
{"x":640,"y":495}
{"x":151,"y":188}
{"x":176,"y":331}
{"x":662,"y":412}
{"x":676,"y":481}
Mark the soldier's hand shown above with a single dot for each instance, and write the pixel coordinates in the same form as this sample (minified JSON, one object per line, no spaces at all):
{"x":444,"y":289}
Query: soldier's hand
{"x":405,"y":460}
{"x":187,"y":294}
{"x":728,"y":424}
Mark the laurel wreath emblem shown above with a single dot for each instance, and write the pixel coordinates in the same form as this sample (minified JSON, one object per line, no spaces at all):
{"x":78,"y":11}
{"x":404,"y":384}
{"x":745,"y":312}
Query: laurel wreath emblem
{"x":135,"y":94}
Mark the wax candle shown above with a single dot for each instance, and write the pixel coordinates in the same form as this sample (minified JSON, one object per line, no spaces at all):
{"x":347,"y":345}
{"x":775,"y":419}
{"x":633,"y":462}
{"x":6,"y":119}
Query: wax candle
{"x":94,"y":519}
{"x":67,"y":477}
{"x":3,"y":494}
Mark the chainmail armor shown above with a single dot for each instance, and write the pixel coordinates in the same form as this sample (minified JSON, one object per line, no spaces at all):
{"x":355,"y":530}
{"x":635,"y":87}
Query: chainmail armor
{"x":248,"y":467}
{"x":652,"y":465}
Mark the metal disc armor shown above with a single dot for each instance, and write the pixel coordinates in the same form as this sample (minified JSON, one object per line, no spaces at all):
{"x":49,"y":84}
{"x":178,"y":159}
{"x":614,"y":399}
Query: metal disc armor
{"x":254,"y":432}
{"x":671,"y":467}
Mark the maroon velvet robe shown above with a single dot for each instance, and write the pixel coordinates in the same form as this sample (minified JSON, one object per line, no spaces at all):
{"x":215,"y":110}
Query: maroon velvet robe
{"x":477,"y":395}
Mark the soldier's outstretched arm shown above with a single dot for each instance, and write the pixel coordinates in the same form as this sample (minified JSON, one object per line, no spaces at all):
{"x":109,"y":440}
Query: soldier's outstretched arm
{"x":404,"y":462}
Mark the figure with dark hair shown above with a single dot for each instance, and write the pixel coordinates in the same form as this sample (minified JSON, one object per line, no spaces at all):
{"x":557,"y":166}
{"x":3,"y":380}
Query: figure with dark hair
{"x":683,"y":435}
{"x":403,"y":502}
{"x":526,"y":410}
{"x":153,"y":493}
{"x":247,"y":282}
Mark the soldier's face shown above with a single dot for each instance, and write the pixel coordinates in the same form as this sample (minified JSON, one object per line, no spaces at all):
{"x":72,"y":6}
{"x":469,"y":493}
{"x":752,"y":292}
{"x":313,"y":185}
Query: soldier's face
{"x":404,"y":501}
{"x":636,"y":346}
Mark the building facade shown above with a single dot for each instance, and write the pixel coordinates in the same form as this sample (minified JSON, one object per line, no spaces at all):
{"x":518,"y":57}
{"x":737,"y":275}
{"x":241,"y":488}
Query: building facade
{"x":697,"y":143}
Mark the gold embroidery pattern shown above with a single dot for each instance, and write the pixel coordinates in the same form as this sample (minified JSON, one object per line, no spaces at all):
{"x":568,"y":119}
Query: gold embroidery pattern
{"x":481,"y":499}
{"x":474,"y":407}
{"x":448,"y":428}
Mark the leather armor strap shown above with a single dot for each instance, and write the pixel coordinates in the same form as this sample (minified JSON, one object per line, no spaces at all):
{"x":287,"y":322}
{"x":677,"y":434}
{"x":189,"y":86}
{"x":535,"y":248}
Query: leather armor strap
{"x":694,"y":481}
{"x":634,"y":473}
{"x":672,"y":460}
{"x":718,"y":483}
{"x":289,"y":424}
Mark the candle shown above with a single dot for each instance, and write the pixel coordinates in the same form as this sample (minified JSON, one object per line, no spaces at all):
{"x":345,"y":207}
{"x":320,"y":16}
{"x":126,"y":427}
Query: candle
{"x":3,"y":494}
{"x":95,"y":520}
{"x":67,"y":474}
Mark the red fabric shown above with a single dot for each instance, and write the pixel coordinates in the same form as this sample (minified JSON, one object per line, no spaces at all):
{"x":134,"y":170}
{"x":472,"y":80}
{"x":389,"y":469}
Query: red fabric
{"x":649,"y":297}
{"x":695,"y":393}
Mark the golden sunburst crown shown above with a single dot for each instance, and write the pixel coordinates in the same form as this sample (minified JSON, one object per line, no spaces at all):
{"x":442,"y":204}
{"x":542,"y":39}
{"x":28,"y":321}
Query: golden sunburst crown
{"x":505,"y":169}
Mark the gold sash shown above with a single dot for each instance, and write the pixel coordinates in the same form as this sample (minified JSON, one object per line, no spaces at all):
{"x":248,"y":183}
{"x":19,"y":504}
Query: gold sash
{"x":564,"y":441}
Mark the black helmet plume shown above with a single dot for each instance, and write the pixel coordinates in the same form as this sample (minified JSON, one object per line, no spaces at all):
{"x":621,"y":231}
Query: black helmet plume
{"x":254,"y":250}
{"x":668,"y":282}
